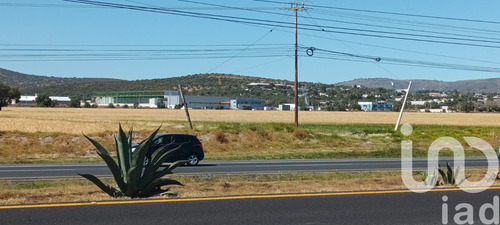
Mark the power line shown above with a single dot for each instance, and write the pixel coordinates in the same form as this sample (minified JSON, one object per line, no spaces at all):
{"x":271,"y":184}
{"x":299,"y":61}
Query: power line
{"x":406,"y":62}
{"x":340,"y":30}
{"x":410,"y":15}
{"x":393,"y":13}
{"x":340,"y":21}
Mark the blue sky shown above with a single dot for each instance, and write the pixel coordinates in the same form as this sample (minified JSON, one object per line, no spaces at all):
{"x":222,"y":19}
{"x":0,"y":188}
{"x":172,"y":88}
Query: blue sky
{"x":64,"y":39}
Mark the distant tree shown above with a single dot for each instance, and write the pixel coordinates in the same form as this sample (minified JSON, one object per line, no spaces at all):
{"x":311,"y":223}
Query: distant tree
{"x":466,"y":102}
{"x":354,"y":106}
{"x":110,"y":105}
{"x":136,"y":105}
{"x":160,"y":104}
{"x":87,"y":105}
{"x":75,"y":102}
{"x":43,"y":100}
{"x":7,"y":94}
{"x":396,"y":106}
{"x":125,"y":106}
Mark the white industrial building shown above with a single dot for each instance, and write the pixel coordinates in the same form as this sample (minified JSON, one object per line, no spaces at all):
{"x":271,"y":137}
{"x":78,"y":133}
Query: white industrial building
{"x":29,"y":100}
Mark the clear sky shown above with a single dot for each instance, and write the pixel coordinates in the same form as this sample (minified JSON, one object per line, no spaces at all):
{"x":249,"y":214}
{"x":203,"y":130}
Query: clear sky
{"x":65,"y":39}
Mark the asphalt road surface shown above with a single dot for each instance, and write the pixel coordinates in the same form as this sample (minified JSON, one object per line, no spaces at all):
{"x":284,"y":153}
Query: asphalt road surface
{"x":39,"y":171}
{"x":380,"y":208}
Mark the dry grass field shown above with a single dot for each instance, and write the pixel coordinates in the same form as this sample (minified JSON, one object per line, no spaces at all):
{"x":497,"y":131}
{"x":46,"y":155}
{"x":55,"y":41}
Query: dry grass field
{"x":83,"y":120}
{"x":30,"y":135}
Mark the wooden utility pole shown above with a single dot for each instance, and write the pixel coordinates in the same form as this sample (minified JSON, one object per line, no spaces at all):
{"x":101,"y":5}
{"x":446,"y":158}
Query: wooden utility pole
{"x":295,"y":7}
{"x":185,"y":107}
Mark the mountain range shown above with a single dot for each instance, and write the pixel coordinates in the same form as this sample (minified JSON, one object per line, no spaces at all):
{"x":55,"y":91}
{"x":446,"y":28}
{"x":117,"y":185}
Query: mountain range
{"x":478,"y":85}
{"x":208,"y":84}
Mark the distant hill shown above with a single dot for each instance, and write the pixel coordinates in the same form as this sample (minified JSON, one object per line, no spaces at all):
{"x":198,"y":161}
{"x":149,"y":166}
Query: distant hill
{"x":199,"y":84}
{"x":481,"y":85}
{"x":232,"y":85}
{"x":31,"y":84}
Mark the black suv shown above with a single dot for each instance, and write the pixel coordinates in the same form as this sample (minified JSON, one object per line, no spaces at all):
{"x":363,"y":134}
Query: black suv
{"x":191,"y":148}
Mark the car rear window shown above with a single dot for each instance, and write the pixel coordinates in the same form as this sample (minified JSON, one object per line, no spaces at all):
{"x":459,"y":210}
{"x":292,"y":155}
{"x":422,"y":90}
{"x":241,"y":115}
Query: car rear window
{"x":179,"y":139}
{"x":194,"y":140}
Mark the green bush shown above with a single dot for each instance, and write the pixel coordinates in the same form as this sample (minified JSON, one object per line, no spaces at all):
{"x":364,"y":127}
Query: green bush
{"x":44,"y":100}
{"x":130,"y":177}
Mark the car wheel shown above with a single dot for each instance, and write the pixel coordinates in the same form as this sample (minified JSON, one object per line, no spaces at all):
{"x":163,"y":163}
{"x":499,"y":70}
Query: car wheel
{"x":193,"y":160}
{"x":146,"y":160}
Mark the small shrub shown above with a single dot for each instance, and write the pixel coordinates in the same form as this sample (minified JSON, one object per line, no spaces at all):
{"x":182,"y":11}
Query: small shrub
{"x":299,"y":134}
{"x":221,"y":137}
{"x":125,"y":106}
{"x":110,"y":105}
{"x":87,"y":105}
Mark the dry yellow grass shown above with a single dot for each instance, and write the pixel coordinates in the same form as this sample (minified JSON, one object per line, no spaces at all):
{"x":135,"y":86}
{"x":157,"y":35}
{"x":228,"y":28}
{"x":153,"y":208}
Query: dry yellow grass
{"x":78,"y":121}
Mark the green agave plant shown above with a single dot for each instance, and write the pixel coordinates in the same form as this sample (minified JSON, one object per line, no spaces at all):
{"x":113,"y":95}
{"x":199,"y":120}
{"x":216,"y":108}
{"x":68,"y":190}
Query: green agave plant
{"x":449,"y":176}
{"x":430,"y":179}
{"x":131,"y":177}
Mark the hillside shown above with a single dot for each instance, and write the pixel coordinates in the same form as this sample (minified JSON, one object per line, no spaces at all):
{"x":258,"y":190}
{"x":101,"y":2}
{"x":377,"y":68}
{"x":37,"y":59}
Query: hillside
{"x":200,"y":83}
{"x":279,"y":91}
{"x":480,"y":85}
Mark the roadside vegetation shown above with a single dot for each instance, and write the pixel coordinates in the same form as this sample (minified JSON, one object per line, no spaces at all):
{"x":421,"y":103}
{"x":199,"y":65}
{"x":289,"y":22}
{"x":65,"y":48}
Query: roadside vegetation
{"x":204,"y":185}
{"x":35,"y":135}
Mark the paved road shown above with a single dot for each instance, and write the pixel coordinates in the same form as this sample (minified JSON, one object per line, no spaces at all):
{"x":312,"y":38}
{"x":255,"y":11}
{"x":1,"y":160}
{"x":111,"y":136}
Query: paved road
{"x":36,"y":171}
{"x":395,"y":208}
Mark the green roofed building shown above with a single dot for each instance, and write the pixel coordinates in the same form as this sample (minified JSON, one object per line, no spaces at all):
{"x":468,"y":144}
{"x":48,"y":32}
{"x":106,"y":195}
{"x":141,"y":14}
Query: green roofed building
{"x":172,"y":98}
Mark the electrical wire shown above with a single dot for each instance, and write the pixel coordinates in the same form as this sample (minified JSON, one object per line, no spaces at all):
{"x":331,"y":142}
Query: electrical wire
{"x":340,"y":30}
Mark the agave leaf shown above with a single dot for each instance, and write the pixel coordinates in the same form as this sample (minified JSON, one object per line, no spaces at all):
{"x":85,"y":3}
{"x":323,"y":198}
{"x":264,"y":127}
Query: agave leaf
{"x":443,"y":175}
{"x":157,"y":154}
{"x":168,"y":170}
{"x":130,"y":137}
{"x":143,"y":148}
{"x":149,"y":173}
{"x":133,"y":178}
{"x":140,"y":153}
{"x":106,"y":188}
{"x":158,"y":183}
{"x":99,"y":147}
{"x":103,"y":153}
{"x":449,"y":172}
{"x":124,"y":151}
{"x":430,"y":180}
{"x":113,"y":167}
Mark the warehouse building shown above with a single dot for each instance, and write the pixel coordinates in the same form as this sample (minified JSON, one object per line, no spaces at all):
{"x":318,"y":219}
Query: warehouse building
{"x":30,"y":100}
{"x":172,"y":98}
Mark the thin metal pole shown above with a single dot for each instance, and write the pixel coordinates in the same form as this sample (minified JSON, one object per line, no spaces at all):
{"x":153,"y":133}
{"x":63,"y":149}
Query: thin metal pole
{"x":296,"y":71}
{"x":185,"y":107}
{"x":402,"y":107}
